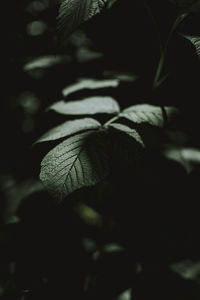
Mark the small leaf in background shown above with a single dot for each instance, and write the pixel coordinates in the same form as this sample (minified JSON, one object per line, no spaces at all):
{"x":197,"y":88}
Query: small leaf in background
{"x":187,"y":5}
{"x":111,"y":2}
{"x":46,"y":61}
{"x":14,"y":193}
{"x":84,"y":54}
{"x":69,"y":128}
{"x":195,"y":40}
{"x":36,"y":28}
{"x":127,"y":295}
{"x":127,"y":144}
{"x":187,"y":269}
{"x":187,"y":157}
{"x":29,"y":102}
{"x":87,"y":106}
{"x":129,"y":131}
{"x":92,"y":84}
{"x":77,"y":162}
{"x":89,"y":216}
{"x":121,"y":76}
{"x":108,"y":248}
{"x":72,"y":13}
{"x":145,"y":113}
{"x":36,"y":7}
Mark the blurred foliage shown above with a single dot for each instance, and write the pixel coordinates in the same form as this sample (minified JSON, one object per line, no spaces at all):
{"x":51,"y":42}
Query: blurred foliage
{"x":128,"y":237}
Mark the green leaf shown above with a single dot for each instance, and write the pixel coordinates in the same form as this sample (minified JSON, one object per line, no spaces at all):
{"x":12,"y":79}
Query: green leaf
{"x":46,"y":61}
{"x":187,"y":157}
{"x":79,"y":161}
{"x":187,"y":269}
{"x":187,"y":5}
{"x":72,"y":13}
{"x":69,"y":128}
{"x":87,"y":83}
{"x":146,"y":113}
{"x":127,"y":144}
{"x":121,"y":76}
{"x":195,"y":40}
{"x":87,"y":106}
{"x":129,"y":131}
{"x":126,"y":295}
{"x":111,"y":2}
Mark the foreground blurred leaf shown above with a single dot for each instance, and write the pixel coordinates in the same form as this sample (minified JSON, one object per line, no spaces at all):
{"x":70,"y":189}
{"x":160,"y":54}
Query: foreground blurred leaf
{"x":187,"y":269}
{"x":75,"y":163}
{"x":69,"y":128}
{"x":87,"y":106}
{"x":74,"y":12}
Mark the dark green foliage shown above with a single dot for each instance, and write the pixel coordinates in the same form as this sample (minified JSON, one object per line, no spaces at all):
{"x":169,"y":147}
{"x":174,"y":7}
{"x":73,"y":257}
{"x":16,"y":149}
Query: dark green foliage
{"x":105,"y":109}
{"x":74,"y":12}
{"x":187,"y":5}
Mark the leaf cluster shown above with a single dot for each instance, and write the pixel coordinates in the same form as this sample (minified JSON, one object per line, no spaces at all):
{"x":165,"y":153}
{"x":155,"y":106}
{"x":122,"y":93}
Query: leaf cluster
{"x":83,"y":156}
{"x":119,"y":152}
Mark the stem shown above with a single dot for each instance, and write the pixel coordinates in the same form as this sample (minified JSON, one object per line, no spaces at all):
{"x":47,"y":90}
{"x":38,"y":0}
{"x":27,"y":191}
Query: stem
{"x":154,"y":23}
{"x":159,"y":69}
{"x":157,"y":81}
{"x":111,"y":120}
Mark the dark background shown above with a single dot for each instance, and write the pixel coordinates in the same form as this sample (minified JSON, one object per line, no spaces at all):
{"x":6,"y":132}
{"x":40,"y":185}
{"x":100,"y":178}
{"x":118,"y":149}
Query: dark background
{"x":47,"y":251}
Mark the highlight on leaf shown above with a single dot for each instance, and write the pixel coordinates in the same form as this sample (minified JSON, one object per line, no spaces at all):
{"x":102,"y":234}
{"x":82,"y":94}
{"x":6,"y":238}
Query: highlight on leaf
{"x":75,"y":163}
{"x":72,"y":13}
{"x":87,"y":106}
{"x":90,"y":84}
{"x":150,"y":114}
{"x":69,"y":128}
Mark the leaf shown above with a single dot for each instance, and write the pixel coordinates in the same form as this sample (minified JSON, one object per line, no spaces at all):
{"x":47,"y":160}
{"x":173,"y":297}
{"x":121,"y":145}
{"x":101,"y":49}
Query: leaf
{"x":87,"y":106}
{"x":92,"y":84}
{"x":44,"y":62}
{"x":145,"y":113}
{"x":127,"y":144}
{"x":79,"y":161}
{"x":187,"y":269}
{"x":111,"y":3}
{"x":187,"y":157}
{"x":195,"y":40}
{"x":84,"y":55}
{"x":72,"y":13}
{"x":129,"y":131}
{"x":121,"y":76}
{"x":69,"y":128}
{"x":187,"y":5}
{"x":89,"y":215}
{"x":125,"y":295}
